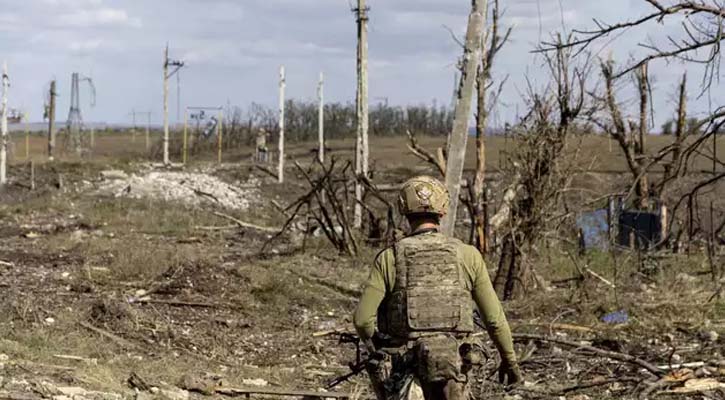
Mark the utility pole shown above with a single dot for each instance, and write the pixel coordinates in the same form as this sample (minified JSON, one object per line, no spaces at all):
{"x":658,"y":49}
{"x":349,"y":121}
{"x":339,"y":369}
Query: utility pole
{"x":176,"y":66}
{"x":362,"y":149}
{"x":75,"y":119}
{"x":51,"y":120}
{"x":219,"y":133}
{"x":26,"y":119}
{"x":133,"y":131}
{"x":454,"y":98}
{"x":282,"y":85}
{"x":321,"y":119}
{"x":458,"y":138}
{"x":4,"y":127}
{"x":148,"y":129}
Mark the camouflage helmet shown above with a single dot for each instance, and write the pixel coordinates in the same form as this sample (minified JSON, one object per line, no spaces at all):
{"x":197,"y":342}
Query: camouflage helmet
{"x":423,"y":195}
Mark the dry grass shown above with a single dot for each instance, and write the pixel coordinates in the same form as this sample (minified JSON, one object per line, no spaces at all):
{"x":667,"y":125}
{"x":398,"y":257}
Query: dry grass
{"x":597,"y":153}
{"x":266,"y":309}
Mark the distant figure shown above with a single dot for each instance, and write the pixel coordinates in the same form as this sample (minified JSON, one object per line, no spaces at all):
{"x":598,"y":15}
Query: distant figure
{"x":262,"y":152}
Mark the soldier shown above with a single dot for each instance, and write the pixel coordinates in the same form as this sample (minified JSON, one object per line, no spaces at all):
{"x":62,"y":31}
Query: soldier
{"x":419,"y":292}
{"x":261,"y":142}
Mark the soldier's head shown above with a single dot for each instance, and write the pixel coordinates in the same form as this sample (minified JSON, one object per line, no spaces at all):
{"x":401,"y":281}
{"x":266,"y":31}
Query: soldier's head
{"x":423,"y":199}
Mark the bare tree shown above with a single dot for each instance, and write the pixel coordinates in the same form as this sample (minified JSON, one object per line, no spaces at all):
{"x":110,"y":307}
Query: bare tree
{"x":459,"y":134}
{"x":540,"y":168}
{"x":626,"y":134}
{"x":282,"y":85}
{"x":362,"y":146}
{"x":492,"y":44}
{"x":701,"y":30}
{"x":51,"y":120}
{"x":4,"y":126}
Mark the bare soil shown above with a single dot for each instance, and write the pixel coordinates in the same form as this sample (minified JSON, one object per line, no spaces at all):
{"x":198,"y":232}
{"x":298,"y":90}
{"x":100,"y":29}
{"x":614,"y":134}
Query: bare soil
{"x":98,"y":288}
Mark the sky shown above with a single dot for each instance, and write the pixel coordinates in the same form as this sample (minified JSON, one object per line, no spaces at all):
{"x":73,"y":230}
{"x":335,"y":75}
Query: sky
{"x":234,"y":48}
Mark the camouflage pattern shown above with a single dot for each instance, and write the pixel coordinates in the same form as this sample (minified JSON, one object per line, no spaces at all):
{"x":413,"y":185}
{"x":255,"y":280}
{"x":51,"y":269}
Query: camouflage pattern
{"x":423,"y":195}
{"x":429,"y":294}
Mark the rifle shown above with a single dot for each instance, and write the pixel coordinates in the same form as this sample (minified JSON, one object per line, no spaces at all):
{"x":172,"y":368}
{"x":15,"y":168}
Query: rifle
{"x":355,"y":368}
{"x":360,"y":363}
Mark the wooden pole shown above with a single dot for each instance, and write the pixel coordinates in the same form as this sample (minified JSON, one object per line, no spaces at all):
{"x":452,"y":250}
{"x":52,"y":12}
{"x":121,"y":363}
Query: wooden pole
{"x":148,"y":133}
{"x":362,"y":149}
{"x":166,"y":105}
{"x":133,"y":131}
{"x":185,"y":139}
{"x":51,"y":121}
{"x":459,"y":135}
{"x":32,"y":175}
{"x":282,"y":85}
{"x":642,"y":184}
{"x":27,"y":136}
{"x":321,"y":119}
{"x":219,"y":132}
{"x":4,"y":123}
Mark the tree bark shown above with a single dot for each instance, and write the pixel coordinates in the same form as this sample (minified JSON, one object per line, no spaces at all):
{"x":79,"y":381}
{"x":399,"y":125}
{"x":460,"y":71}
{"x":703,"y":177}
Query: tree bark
{"x":459,"y":135}
{"x":4,"y":127}
{"x":51,"y":121}
{"x":642,"y":185}
{"x":362,"y":149}
{"x":321,"y":119}
{"x":166,"y":105}
{"x":282,"y":85}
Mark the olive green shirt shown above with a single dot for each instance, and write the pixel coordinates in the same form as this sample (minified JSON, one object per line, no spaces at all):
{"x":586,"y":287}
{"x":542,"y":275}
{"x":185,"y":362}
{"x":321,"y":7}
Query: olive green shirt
{"x":382,"y":279}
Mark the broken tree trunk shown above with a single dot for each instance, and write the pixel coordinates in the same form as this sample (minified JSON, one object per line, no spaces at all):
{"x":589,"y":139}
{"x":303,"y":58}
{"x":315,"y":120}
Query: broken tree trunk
{"x":362,"y":149}
{"x":51,"y":121}
{"x":321,"y":119}
{"x":282,"y":84}
{"x":166,"y":105}
{"x":642,"y":185}
{"x":4,"y":144}
{"x":459,"y":135}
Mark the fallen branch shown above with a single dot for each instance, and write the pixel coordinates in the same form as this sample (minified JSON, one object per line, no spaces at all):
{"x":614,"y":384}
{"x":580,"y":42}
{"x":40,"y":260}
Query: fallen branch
{"x":696,"y":364}
{"x":604,"y":353}
{"x":267,"y":171}
{"x":279,"y":207}
{"x":562,"y":390}
{"x":18,"y":396}
{"x":243,"y":224}
{"x":437,"y":160}
{"x":235,"y":392}
{"x":176,"y":303}
{"x":205,"y":194}
{"x":115,"y":338}
{"x":566,"y":327}
{"x":89,"y":361}
{"x":216,"y":228}
{"x":601,"y":278}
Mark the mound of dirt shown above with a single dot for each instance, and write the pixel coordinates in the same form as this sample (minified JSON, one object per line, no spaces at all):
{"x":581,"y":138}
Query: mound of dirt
{"x":185,"y":187}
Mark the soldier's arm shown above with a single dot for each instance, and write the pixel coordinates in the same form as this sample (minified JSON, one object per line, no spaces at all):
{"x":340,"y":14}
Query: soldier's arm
{"x":366,"y":313}
{"x":490,"y":307}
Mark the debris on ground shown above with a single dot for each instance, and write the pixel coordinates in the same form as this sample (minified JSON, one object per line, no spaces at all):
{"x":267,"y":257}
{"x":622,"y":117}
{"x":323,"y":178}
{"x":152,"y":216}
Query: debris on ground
{"x":189,"y":188}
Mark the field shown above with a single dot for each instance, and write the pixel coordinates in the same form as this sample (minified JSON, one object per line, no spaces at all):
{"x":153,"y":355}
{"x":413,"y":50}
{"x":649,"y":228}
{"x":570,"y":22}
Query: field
{"x":108,"y":291}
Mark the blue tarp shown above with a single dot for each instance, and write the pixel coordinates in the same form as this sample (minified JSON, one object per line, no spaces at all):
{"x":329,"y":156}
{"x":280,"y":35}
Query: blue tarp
{"x":595,"y":228}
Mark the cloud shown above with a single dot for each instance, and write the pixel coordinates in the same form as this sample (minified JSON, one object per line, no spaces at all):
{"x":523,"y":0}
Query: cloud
{"x":234,"y":47}
{"x":72,"y":3}
{"x":84,"y":47}
{"x":102,"y":17}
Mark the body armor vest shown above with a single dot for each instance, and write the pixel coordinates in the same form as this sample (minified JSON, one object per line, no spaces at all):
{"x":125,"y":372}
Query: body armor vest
{"x":429,"y":293}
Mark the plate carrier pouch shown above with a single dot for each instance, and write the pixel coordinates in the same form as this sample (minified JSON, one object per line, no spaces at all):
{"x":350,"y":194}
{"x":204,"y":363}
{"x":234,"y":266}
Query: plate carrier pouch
{"x":429,"y":293}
